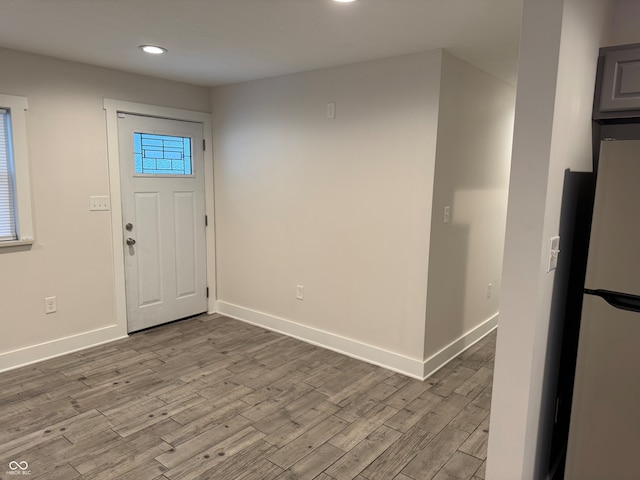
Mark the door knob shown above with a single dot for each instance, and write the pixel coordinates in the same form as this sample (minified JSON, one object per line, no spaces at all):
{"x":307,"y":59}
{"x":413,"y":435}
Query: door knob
{"x":131,"y":241}
{"x":129,"y":226}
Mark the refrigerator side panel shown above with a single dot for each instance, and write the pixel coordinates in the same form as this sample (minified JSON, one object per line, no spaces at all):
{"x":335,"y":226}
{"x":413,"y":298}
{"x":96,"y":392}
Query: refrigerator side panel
{"x":604,"y":433}
{"x":614,"y":251}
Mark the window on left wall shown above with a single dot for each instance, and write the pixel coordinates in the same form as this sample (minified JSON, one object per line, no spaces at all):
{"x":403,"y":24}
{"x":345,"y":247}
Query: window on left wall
{"x":16,"y":225}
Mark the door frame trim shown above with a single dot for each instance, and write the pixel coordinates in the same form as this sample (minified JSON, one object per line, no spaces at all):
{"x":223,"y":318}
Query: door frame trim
{"x":112,"y":107}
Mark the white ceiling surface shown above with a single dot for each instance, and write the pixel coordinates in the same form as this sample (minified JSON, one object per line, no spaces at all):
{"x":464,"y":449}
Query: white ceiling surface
{"x":215,"y":42}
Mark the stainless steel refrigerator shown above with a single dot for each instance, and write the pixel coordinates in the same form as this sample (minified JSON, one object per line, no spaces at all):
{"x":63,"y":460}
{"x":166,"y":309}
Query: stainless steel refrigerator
{"x":604,"y":431}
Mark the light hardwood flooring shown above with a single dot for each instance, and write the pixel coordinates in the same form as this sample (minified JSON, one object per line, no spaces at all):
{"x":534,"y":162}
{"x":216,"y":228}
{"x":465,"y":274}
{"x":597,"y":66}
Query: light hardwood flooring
{"x":215,"y":398}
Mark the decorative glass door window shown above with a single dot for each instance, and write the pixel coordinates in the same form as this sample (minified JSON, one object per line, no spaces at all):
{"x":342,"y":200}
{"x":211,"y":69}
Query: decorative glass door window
{"x":161,"y":154}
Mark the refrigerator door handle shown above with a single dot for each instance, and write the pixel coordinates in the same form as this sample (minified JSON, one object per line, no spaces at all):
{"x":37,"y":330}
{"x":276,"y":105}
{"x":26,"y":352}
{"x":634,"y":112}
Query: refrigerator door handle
{"x":623,"y":301}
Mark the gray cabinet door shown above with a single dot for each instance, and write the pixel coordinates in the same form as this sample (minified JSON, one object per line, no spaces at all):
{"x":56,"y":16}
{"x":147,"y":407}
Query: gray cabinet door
{"x":620,"y":88}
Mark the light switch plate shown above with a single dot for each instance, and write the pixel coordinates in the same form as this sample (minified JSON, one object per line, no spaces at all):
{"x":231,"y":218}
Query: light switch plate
{"x":50,"y":305}
{"x":99,"y":203}
{"x":331,"y":110}
{"x":554,"y":251}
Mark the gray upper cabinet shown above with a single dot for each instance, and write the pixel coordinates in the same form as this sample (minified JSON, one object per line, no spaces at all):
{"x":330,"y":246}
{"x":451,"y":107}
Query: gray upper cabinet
{"x":619,"y":82}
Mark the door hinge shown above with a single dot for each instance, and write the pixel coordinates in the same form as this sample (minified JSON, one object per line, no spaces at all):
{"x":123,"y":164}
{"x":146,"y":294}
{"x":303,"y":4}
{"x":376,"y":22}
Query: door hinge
{"x":206,"y":220}
{"x":207,"y":292}
{"x":204,"y":144}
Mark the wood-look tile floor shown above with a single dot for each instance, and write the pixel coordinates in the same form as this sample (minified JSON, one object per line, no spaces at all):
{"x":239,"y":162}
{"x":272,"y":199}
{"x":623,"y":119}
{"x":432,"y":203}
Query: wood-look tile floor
{"x":215,"y":398}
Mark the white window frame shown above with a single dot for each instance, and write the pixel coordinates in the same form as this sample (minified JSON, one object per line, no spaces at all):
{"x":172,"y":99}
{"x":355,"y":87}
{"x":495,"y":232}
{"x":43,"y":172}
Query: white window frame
{"x":22,"y":183}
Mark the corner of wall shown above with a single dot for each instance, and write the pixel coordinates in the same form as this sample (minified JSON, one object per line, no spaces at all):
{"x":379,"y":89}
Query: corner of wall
{"x":347,"y":346}
{"x":340,"y":205}
{"x":474,"y":134}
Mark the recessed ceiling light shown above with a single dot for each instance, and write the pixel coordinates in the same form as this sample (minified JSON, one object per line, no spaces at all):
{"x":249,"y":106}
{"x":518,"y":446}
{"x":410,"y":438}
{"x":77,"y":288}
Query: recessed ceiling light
{"x":344,"y":1}
{"x":152,"y":49}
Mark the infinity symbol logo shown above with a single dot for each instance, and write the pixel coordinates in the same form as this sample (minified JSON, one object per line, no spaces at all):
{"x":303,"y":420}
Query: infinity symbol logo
{"x":18,"y":465}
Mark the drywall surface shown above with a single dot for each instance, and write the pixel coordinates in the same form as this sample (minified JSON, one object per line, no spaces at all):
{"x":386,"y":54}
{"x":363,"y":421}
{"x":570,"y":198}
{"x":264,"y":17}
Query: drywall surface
{"x":340,"y":206}
{"x":72,"y":257}
{"x":558,"y":55}
{"x":624,"y":29}
{"x":473,"y":155}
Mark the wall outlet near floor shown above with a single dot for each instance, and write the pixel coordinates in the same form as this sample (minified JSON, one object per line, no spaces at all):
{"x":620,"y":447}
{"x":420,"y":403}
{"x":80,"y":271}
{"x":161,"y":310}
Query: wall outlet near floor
{"x":489,"y":290}
{"x":299,"y":292}
{"x":50,"y":305}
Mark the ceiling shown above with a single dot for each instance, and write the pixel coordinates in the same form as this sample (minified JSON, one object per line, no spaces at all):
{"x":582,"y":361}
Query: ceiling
{"x":215,"y":42}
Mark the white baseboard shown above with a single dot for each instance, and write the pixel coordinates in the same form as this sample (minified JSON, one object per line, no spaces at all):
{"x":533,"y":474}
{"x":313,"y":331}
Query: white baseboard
{"x":55,"y":348}
{"x":419,"y":369}
{"x":436,"y":361}
{"x":411,"y":367}
{"x":352,"y":348}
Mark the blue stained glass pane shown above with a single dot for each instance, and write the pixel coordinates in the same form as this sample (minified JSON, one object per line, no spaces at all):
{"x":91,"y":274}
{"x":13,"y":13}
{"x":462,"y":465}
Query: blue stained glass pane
{"x":177,"y":165}
{"x":148,"y":165}
{"x":138,"y":162}
{"x":187,"y":156}
{"x":153,"y":153}
{"x":161,"y":154}
{"x":137,"y":143}
{"x":163,"y":165}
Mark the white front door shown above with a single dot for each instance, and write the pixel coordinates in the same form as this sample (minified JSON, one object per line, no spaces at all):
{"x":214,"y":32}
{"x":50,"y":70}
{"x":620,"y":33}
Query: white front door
{"x":163,"y":212}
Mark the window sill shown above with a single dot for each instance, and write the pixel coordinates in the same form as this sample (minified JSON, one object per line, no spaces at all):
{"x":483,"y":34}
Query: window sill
{"x":17,"y":243}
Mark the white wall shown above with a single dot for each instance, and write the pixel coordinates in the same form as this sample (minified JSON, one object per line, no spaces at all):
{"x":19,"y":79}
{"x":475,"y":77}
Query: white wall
{"x":558,"y":55}
{"x":340,"y":206}
{"x":475,"y":129}
{"x":72,"y":258}
{"x":344,"y":206}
